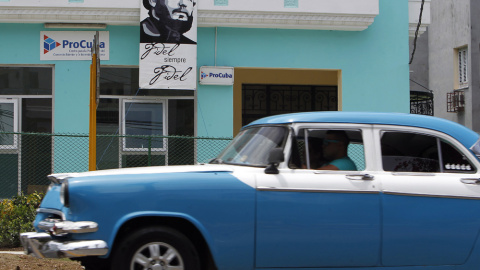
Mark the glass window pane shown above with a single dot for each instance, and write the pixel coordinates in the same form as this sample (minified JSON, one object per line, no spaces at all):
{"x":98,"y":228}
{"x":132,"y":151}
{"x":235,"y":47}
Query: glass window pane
{"x":25,"y":81}
{"x":409,"y":152}
{"x":145,"y":119}
{"x":181,"y":120}
{"x":37,"y":115}
{"x":108,"y":124}
{"x":118,"y":81}
{"x":454,"y":161}
{"x":7,"y":123}
{"x":6,"y":117}
{"x":107,"y":116}
{"x":340,"y":148}
{"x":252,"y":146}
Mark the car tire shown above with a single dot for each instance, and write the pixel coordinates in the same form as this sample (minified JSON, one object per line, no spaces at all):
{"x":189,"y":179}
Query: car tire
{"x":155,"y":248}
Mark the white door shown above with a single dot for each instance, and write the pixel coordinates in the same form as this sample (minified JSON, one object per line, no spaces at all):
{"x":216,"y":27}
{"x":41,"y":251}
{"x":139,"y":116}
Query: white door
{"x":310,"y":218}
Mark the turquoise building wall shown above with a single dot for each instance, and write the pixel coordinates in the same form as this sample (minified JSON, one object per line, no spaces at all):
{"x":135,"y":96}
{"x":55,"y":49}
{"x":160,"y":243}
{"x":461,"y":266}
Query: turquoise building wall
{"x":374,"y":65}
{"x":71,"y":84}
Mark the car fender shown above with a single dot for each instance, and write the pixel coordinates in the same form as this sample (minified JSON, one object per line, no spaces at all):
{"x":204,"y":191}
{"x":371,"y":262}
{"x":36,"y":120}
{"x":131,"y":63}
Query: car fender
{"x":131,"y":216}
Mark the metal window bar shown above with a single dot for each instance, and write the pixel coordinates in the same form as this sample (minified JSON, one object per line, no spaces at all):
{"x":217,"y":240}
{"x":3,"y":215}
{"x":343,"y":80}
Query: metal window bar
{"x":260,"y":100}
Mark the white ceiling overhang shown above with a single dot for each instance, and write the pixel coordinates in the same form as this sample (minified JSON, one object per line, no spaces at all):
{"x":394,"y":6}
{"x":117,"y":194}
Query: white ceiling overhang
{"x":206,"y":18}
{"x":348,"y":15}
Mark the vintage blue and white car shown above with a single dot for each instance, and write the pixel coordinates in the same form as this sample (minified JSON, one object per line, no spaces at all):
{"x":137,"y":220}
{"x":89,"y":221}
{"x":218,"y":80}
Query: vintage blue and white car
{"x":274,"y":199}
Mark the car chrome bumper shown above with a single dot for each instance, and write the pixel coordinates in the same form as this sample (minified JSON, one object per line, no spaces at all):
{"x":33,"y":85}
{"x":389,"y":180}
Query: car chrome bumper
{"x":62,"y":227}
{"x":42,"y":245}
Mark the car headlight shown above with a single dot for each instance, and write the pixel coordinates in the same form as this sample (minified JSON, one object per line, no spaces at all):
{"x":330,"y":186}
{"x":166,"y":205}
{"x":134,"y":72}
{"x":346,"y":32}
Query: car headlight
{"x":64,"y":196}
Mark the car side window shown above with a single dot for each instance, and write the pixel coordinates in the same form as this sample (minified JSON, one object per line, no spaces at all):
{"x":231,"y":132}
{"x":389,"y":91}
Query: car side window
{"x":315,"y":149}
{"x":414,"y":152}
{"x":454,"y":161}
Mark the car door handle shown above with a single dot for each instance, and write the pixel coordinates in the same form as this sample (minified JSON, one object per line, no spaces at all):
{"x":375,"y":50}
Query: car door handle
{"x":367,"y":177}
{"x":470,"y":181}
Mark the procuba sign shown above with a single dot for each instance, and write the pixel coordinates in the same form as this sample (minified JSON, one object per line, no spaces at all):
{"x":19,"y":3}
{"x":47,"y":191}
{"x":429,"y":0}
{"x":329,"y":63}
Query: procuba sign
{"x":72,"y":45}
{"x":216,"y":75}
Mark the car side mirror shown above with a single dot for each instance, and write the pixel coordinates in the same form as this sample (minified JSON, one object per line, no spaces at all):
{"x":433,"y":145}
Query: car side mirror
{"x":275,"y":157}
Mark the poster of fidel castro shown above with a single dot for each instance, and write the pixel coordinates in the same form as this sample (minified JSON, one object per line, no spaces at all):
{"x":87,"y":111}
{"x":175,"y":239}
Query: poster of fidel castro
{"x":168,"y":44}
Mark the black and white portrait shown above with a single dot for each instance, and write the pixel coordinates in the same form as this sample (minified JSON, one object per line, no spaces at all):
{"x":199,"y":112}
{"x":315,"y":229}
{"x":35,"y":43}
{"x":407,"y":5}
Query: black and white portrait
{"x":168,"y":21}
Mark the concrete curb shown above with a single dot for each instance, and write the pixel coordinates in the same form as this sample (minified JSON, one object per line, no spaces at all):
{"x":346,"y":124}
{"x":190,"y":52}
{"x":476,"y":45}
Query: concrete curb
{"x":13,"y":252}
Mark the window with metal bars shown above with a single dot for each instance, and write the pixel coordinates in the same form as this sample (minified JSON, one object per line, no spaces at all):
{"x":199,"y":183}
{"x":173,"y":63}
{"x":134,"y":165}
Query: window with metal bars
{"x":421,"y":102}
{"x":265,"y":100}
{"x":463,"y":67}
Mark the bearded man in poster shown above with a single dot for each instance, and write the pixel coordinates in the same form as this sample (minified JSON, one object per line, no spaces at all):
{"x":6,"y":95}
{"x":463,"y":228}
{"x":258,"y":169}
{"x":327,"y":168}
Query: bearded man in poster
{"x":167,"y":21}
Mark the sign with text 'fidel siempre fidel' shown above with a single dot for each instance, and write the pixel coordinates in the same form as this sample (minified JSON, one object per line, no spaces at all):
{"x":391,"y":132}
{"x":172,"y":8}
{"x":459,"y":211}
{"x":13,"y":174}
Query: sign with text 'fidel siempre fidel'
{"x":168,"y":44}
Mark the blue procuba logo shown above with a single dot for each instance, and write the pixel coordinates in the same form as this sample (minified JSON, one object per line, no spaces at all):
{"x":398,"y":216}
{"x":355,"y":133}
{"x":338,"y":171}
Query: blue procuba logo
{"x":203,"y":75}
{"x":49,"y":44}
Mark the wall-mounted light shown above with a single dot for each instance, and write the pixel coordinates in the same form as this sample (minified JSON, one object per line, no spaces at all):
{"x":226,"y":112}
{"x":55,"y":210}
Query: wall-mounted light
{"x":76,"y":25}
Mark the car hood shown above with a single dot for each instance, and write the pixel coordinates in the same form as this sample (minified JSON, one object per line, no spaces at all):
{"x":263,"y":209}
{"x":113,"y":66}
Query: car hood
{"x":91,"y":189}
{"x":201,"y":168}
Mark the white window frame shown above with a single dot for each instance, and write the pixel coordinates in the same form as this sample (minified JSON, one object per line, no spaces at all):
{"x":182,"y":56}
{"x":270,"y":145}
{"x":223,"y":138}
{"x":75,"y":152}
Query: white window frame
{"x":462,"y":67}
{"x":124,"y":111}
{"x":15,"y":123}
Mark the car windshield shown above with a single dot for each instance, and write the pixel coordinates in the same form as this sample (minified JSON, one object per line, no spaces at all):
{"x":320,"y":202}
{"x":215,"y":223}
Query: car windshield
{"x":252,"y":146}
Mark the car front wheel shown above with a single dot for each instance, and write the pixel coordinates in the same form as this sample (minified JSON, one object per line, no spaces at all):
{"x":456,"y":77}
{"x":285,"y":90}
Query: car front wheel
{"x":155,"y":248}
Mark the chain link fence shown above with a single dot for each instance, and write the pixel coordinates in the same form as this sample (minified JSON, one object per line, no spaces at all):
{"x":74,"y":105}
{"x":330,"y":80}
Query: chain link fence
{"x":27,"y":158}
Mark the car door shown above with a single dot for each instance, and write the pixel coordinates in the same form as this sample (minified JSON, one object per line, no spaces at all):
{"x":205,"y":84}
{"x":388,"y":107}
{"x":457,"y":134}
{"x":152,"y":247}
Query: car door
{"x":309,"y":218}
{"x":429,"y":197}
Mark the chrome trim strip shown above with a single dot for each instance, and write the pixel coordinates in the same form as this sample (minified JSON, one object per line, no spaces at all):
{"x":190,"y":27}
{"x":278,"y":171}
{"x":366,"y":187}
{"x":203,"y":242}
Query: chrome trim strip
{"x":60,"y":227}
{"x":311,"y":190}
{"x":42,"y":245}
{"x":59,"y":178}
{"x":429,"y":195}
{"x":51,"y":211}
{"x":412,"y":174}
{"x":31,"y":242}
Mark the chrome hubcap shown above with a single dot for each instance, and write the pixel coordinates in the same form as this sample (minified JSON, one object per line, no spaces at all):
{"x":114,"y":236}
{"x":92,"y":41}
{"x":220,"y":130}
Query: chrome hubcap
{"x":157,"y":256}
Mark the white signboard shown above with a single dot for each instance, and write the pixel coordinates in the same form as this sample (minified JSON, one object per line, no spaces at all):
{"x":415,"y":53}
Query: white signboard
{"x":168,"y":44}
{"x":72,"y":45}
{"x":216,"y":75}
